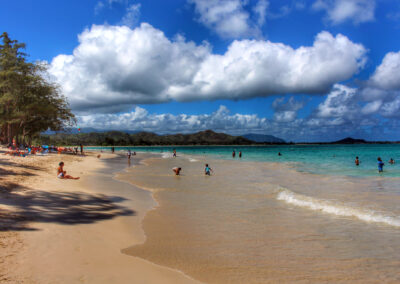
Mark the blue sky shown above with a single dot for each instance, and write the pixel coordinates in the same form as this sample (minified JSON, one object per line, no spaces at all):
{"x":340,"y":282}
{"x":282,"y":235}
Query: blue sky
{"x":314,"y":70}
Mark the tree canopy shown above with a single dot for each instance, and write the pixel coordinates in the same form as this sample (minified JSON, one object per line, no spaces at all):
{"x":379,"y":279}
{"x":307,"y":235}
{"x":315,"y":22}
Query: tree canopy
{"x":29,"y":102}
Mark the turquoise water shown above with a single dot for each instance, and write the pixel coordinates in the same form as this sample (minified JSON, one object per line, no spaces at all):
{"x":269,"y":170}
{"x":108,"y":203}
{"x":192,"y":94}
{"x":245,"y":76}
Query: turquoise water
{"x":318,"y":159}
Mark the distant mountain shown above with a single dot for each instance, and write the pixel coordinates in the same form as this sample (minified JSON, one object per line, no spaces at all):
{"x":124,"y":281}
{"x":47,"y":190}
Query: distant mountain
{"x":119,"y":138}
{"x":350,"y":140}
{"x":261,"y":138}
{"x":88,"y":130}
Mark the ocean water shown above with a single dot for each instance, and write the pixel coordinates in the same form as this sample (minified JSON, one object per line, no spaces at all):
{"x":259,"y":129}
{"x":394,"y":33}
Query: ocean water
{"x":317,"y":159}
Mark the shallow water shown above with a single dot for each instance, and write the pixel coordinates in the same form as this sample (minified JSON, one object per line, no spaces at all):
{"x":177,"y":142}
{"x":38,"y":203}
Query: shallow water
{"x":258,"y":222}
{"x":320,"y":159}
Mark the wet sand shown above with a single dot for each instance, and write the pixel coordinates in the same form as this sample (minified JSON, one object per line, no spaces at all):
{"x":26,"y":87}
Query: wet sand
{"x":266,"y":223}
{"x":67,"y":231}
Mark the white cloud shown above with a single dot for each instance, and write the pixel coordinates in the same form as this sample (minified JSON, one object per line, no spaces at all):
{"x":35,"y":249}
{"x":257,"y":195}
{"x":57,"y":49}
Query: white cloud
{"x":286,"y":111}
{"x":340,"y":11}
{"x":140,"y":119}
{"x":340,"y":102}
{"x":131,"y":17}
{"x":260,"y":9}
{"x":387,"y":74}
{"x":229,"y":18}
{"x":114,"y":67}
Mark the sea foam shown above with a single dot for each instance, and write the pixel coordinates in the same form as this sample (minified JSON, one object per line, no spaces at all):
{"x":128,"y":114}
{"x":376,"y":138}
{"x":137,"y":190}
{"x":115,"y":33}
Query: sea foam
{"x":335,"y":209}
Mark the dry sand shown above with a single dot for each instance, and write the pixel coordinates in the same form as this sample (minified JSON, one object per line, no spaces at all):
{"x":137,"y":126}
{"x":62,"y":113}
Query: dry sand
{"x":72,"y":231}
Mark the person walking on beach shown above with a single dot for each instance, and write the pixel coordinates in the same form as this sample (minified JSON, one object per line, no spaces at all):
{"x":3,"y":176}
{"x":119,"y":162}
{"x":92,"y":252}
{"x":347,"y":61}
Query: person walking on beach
{"x":177,"y":171}
{"x":81,"y":148}
{"x":174,"y":153}
{"x":63,"y":174}
{"x":380,"y":165}
{"x":233,"y":154}
{"x":357,"y":161}
{"x":112,"y":149}
{"x":208,"y":170}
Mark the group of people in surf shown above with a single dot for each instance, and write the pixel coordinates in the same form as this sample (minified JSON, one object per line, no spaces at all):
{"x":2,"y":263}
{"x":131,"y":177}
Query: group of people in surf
{"x":380,"y":163}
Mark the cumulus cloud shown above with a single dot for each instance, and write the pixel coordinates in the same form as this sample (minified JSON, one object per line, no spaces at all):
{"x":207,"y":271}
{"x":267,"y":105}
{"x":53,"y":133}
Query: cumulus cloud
{"x":387,"y":74}
{"x":141,"y":120}
{"x":340,"y":11}
{"x":229,"y":18}
{"x":114,"y":67}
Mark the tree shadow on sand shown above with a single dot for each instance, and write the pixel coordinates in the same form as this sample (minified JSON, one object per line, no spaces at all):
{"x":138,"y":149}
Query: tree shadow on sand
{"x":67,"y":208}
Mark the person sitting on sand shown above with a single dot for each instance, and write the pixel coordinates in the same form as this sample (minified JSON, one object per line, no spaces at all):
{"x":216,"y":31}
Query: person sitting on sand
{"x":208,"y":170}
{"x":380,"y":165}
{"x":63,"y":174}
{"x":177,"y":171}
{"x":357,"y":161}
{"x":391,"y":161}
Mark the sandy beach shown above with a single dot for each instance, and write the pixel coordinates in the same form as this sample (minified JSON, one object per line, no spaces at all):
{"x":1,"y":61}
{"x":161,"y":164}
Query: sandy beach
{"x":72,"y":231}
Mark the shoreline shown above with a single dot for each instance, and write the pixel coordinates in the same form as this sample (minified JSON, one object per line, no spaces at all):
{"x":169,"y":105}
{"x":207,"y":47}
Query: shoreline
{"x":81,"y":237}
{"x":156,"y":249}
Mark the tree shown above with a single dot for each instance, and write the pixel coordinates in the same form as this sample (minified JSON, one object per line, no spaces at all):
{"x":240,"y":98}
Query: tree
{"x":29,"y":103}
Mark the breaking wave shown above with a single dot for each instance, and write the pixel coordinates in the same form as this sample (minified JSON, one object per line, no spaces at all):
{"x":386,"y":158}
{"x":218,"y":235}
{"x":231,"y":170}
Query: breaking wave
{"x":335,"y":209}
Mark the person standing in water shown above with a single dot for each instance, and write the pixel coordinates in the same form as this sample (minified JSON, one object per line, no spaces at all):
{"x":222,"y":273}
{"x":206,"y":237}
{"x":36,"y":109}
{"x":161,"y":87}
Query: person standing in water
{"x":357,"y":161}
{"x":129,"y":154}
{"x":174,"y":153}
{"x":279,"y":154}
{"x":380,"y":165}
{"x":240,"y":154}
{"x":207,"y":170}
{"x":233,"y":154}
{"x":112,"y":149}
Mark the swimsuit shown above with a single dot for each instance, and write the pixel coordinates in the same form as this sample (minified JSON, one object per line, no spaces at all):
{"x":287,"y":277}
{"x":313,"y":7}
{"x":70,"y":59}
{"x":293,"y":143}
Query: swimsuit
{"x":380,"y":166}
{"x":61,"y":175}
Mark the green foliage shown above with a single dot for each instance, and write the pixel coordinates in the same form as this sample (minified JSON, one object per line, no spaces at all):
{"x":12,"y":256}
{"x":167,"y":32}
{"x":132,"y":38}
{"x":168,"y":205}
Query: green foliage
{"x":117,"y":138}
{"x":29,"y":103}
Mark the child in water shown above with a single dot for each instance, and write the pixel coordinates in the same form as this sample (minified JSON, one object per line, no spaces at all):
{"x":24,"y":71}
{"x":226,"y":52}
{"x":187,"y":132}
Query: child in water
{"x":207,"y":170}
{"x":177,"y":171}
{"x":357,"y":161}
{"x":380,"y":165}
{"x":391,"y":161}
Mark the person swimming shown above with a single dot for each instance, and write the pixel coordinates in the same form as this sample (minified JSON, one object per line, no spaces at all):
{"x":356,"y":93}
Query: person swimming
{"x":380,"y":165}
{"x":357,"y":161}
{"x":208,"y":170}
{"x":279,"y":154}
{"x":391,"y":161}
{"x":177,"y":170}
{"x":61,"y":174}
